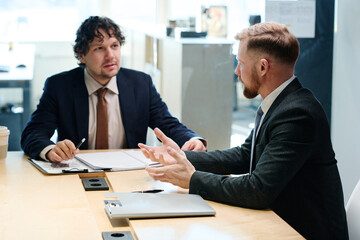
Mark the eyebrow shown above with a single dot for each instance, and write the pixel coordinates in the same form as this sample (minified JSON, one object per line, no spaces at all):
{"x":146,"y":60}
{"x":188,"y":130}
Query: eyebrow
{"x":99,"y":43}
{"x":95,"y":44}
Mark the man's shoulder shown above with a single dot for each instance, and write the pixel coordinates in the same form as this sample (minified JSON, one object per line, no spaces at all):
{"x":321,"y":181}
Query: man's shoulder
{"x":297,"y":101}
{"x":65,"y":80}
{"x":296,"y":94}
{"x":69,"y":73}
{"x":302,"y":96}
{"x":131,"y":73}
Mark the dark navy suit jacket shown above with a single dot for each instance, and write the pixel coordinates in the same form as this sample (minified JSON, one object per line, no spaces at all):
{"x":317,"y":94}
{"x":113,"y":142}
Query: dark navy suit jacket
{"x":294,"y":170}
{"x":64,"y":105}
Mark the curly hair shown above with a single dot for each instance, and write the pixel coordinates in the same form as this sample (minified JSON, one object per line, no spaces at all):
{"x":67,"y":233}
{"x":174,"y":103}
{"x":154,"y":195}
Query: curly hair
{"x":89,"y":30}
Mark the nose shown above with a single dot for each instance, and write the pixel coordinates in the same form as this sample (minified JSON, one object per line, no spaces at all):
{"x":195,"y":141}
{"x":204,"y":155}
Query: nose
{"x":237,"y":70}
{"x":109,"y":53}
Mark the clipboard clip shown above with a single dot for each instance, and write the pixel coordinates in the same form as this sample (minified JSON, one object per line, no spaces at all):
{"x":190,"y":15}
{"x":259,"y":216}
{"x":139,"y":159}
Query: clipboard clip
{"x":110,"y":204}
{"x":75,"y":170}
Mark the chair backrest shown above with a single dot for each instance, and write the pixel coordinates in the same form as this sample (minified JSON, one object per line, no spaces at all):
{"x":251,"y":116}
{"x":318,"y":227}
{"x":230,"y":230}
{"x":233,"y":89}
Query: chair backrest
{"x":353,"y":213}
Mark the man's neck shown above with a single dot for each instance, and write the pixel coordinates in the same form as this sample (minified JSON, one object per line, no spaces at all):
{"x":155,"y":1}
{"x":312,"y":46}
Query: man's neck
{"x":274,"y":80}
{"x":103,"y":81}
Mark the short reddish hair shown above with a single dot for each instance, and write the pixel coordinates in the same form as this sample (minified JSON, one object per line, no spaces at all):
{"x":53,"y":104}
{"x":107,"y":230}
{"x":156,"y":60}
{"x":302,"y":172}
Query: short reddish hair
{"x":273,"y":39}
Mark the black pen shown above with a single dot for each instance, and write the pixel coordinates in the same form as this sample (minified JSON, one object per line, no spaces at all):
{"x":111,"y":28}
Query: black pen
{"x":75,"y":170}
{"x":80,"y":143}
{"x":150,"y":191}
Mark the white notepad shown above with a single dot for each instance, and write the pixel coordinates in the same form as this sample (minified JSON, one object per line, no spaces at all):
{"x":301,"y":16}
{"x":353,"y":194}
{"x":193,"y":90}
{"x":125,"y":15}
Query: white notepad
{"x":115,"y":161}
{"x":153,"y":205}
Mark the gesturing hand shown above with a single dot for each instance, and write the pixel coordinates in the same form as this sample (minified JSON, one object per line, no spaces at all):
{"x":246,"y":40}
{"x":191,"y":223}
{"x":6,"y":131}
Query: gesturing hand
{"x":176,"y":168}
{"x":157,"y":151}
{"x":179,"y":172}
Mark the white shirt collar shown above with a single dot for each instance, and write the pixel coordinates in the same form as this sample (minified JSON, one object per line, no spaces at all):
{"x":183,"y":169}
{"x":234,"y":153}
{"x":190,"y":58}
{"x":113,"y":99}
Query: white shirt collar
{"x":92,"y":85}
{"x":268,"y":101}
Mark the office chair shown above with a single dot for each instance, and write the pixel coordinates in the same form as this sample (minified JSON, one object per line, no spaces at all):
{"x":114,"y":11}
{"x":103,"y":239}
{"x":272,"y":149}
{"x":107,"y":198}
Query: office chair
{"x":353,"y":213}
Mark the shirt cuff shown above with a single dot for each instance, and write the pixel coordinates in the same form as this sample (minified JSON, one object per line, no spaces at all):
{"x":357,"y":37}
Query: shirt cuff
{"x":45,"y":150}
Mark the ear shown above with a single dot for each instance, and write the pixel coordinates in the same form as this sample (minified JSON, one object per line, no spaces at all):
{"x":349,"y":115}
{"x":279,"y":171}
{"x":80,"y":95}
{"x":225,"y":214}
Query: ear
{"x":82,"y":58}
{"x":264,"y":66}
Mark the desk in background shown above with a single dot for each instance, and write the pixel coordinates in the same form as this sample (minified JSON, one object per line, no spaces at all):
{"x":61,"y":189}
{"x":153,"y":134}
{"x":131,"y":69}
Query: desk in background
{"x":194,"y":76}
{"x":20,"y":65}
{"x":38,"y":206}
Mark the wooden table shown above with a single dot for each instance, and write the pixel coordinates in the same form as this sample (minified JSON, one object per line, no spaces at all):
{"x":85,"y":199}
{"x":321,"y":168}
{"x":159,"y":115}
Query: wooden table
{"x":38,"y":206}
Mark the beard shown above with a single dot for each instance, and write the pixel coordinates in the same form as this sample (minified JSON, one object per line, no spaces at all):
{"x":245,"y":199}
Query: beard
{"x":251,"y":92}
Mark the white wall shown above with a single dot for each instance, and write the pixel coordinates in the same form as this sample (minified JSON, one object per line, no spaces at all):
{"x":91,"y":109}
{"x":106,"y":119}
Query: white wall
{"x":50,"y":58}
{"x":345,"y":101}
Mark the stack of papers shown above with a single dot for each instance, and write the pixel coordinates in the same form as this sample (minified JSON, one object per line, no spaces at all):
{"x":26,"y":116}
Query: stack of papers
{"x":116,"y":161}
{"x":95,"y":162}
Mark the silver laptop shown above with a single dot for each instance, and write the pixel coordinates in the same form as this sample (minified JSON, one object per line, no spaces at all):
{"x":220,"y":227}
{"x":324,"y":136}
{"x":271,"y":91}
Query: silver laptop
{"x":152,"y":205}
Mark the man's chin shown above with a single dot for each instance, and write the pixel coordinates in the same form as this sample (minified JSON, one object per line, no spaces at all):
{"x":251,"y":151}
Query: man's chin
{"x":249,"y":94}
{"x":111,"y":73}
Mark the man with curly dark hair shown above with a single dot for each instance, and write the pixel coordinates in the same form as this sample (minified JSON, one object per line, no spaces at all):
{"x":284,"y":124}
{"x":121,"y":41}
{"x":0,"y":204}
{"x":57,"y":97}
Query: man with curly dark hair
{"x":90,"y":29}
{"x":110,"y":106}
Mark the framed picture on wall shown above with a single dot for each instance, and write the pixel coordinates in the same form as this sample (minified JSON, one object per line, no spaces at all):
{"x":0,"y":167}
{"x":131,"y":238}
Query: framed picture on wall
{"x":214,"y":20}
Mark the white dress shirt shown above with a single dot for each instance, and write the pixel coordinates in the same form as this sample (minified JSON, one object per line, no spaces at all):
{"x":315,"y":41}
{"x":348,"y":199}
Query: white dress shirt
{"x":117,"y":137}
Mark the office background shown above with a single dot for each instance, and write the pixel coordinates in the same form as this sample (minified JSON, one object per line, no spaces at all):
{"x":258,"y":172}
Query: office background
{"x":40,"y":27}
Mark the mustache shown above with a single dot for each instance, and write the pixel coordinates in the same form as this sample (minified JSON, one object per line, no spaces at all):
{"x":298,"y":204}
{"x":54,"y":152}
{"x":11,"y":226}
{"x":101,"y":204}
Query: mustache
{"x":110,"y":63}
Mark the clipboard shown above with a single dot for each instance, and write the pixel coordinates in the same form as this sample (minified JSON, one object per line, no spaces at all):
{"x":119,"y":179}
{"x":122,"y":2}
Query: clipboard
{"x":96,"y":162}
{"x":155,"y":205}
{"x":66,"y":167}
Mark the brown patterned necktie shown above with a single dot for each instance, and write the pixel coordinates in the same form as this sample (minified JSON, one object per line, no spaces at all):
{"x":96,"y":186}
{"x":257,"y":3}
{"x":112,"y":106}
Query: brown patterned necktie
{"x":102,"y":134}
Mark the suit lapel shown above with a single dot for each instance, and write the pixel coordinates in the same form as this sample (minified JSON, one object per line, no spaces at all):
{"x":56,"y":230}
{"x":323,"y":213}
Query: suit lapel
{"x":293,"y":86}
{"x":127,"y":102}
{"x":81,"y":106}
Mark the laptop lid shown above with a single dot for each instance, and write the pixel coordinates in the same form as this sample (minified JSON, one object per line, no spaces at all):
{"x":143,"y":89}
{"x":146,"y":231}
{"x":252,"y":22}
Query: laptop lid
{"x":152,"y":205}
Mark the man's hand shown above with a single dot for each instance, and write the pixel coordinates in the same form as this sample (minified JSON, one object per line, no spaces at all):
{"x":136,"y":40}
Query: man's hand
{"x":157,"y":151}
{"x":176,"y":168}
{"x":194,"y":144}
{"x":64,"y":150}
{"x":178,"y":173}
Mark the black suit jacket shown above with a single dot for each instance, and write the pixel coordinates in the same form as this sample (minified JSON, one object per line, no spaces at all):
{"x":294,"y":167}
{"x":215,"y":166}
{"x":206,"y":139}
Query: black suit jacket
{"x":64,"y":105}
{"x":294,"y":170}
